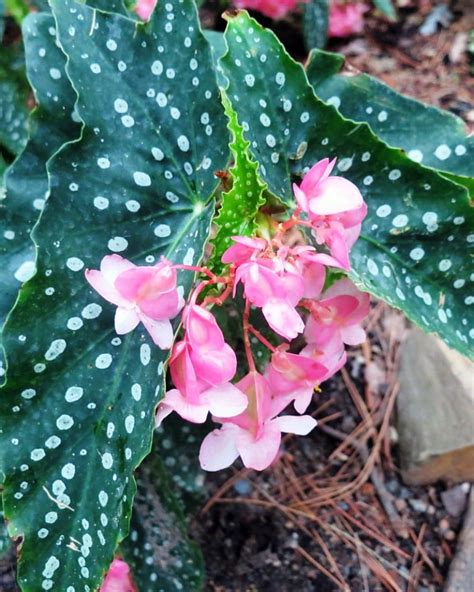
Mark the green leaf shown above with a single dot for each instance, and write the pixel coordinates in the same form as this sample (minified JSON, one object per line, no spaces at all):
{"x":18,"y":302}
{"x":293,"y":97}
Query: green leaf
{"x":18,"y":9}
{"x":240,"y":205}
{"x":51,"y":125}
{"x":387,"y":8}
{"x":77,"y":412}
{"x":116,"y":6}
{"x":14,"y":92}
{"x":5,"y":542}
{"x":177,"y":444}
{"x":218,"y":48}
{"x":412,"y":210}
{"x":315,"y":23}
{"x":2,"y":19}
{"x":429,"y":135}
{"x":158,"y":549}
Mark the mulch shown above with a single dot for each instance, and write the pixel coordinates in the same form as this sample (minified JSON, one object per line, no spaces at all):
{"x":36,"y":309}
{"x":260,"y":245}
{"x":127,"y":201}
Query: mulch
{"x":333,"y":514}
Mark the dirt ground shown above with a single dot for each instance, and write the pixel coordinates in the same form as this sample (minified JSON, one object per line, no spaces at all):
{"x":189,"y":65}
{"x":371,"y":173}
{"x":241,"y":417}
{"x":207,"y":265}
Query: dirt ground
{"x":333,"y":513}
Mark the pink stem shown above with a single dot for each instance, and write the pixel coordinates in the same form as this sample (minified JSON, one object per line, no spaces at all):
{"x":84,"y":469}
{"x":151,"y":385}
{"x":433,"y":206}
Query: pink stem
{"x":248,"y":347}
{"x":262,"y":339}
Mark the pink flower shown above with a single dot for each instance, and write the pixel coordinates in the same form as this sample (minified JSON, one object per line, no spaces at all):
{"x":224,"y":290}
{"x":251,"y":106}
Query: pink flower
{"x":255,"y":435}
{"x":296,"y":377}
{"x":201,"y":367}
{"x":275,"y":9}
{"x":335,"y":207}
{"x":277,"y":295}
{"x":310,"y":265}
{"x":346,"y":19}
{"x":118,"y":578}
{"x":245,"y":249}
{"x":331,"y":355}
{"x":144,"y":8}
{"x":142,"y":294}
{"x":337,"y":315}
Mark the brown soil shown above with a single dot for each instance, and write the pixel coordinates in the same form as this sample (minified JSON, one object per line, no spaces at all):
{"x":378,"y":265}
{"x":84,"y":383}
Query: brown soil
{"x":333,"y":513}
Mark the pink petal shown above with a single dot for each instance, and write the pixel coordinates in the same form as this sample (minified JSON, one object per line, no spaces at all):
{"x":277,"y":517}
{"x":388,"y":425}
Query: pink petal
{"x":214,"y":366}
{"x":106,"y":289}
{"x":129,"y":282}
{"x":202,"y":330}
{"x":335,"y":195}
{"x":194,"y":413}
{"x":160,"y":331}
{"x":218,"y":450}
{"x":353,"y":335}
{"x":294,"y":286}
{"x":118,"y":578}
{"x":165,"y":306}
{"x":261,"y":283}
{"x":338,"y":247}
{"x":295,"y":424}
{"x":257,"y":389}
{"x":314,"y":275}
{"x":162,"y":413}
{"x":126,"y":320}
{"x":320,"y":171}
{"x":283,"y":318}
{"x":301,"y":198}
{"x":225,"y":400}
{"x":245,"y":248}
{"x":259,"y":454}
{"x":302,"y":399}
{"x":145,"y":8}
{"x":113,"y":265}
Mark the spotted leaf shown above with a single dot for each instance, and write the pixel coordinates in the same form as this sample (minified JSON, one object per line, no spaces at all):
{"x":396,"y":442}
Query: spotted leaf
{"x":5,"y":542}
{"x":77,"y":411}
{"x":412,"y":210}
{"x":178,"y":445}
{"x":158,"y":549}
{"x":315,"y":23}
{"x":399,"y":120}
{"x":2,"y":19}
{"x":51,"y":125}
{"x":14,"y":93}
{"x":240,"y":205}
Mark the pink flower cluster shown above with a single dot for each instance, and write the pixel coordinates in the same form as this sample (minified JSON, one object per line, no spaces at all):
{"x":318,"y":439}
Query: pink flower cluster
{"x":275,"y":9}
{"x":312,"y":319}
{"x":346,"y":18}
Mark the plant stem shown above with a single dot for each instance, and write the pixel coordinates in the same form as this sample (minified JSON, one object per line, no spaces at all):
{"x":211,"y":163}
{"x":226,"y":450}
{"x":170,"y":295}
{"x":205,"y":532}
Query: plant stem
{"x":262,"y":339}
{"x":248,"y":347}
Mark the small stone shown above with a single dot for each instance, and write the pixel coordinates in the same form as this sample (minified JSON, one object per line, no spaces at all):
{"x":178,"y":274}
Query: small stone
{"x":454,"y":500}
{"x":444,"y":524}
{"x":393,"y":486}
{"x":401,"y":505}
{"x":418,"y":505}
{"x":450,"y":535}
{"x":243,"y":487}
